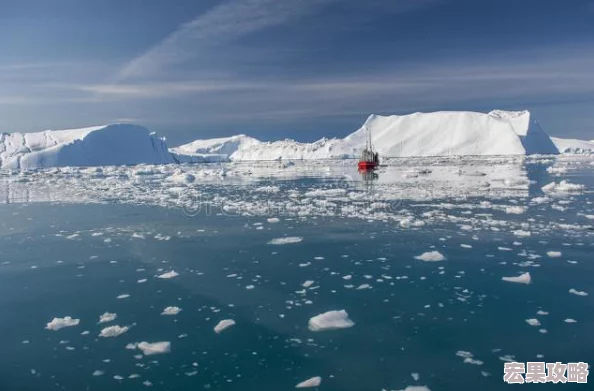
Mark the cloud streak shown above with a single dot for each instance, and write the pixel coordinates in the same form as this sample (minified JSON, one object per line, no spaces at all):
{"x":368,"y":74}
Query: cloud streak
{"x":221,"y":24}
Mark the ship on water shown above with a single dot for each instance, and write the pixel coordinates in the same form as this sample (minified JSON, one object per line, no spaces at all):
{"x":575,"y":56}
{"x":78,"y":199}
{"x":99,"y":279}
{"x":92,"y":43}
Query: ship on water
{"x":369,"y":159}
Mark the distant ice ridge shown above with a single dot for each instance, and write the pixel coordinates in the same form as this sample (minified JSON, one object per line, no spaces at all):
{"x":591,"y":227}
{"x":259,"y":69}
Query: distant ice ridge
{"x":118,"y":144}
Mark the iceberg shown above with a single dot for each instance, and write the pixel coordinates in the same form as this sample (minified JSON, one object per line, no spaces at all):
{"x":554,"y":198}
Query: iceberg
{"x":573,"y":146}
{"x":444,"y":133}
{"x":109,"y":145}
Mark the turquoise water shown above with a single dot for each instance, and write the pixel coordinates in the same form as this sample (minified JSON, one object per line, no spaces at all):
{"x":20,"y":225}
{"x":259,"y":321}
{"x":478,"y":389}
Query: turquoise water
{"x":74,"y":259}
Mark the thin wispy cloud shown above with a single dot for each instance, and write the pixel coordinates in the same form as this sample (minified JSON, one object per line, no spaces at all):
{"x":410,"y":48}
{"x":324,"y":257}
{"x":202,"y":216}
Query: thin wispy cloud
{"x":221,"y":24}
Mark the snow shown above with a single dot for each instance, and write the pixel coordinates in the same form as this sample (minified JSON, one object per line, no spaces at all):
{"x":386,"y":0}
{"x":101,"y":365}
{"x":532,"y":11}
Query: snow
{"x":521,"y":279}
{"x":431,"y":256}
{"x":171,"y":311}
{"x":287,"y":240}
{"x":223,"y":325}
{"x":107,"y":317}
{"x":331,"y":320}
{"x":117,"y":144}
{"x":59,"y":323}
{"x":312,"y":382}
{"x":573,"y":146}
{"x":113,"y":331}
{"x":149,"y":349}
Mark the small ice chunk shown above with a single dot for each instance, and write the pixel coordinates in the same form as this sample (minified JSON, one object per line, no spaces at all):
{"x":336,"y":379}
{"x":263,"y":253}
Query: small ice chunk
{"x":541,"y":312}
{"x":521,"y":279}
{"x":223,"y":325}
{"x":578,"y":293}
{"x":123,"y":296}
{"x":307,"y":284}
{"x":569,"y":320}
{"x":431,"y":256}
{"x":285,"y":240}
{"x":331,"y":320}
{"x":107,"y":317}
{"x":59,"y":323}
{"x":273,"y":220}
{"x":168,"y":275}
{"x":113,"y":331}
{"x":171,"y":311}
{"x":416,"y":388}
{"x":148,"y":349}
{"x":312,"y":382}
{"x":98,"y":373}
{"x":533,"y":322}
{"x":415,"y":376}
{"x":554,"y":254}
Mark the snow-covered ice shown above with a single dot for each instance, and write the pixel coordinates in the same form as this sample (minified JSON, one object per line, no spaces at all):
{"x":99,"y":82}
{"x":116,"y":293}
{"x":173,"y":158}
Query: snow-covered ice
{"x":59,"y":323}
{"x":113,"y":331}
{"x":521,"y":279}
{"x":431,"y":256}
{"x":149,"y":349}
{"x":311,"y":382}
{"x":331,"y":320}
{"x":171,"y":310}
{"x":168,"y":275}
{"x":286,"y":240}
{"x":223,"y":325}
{"x":107,"y":317}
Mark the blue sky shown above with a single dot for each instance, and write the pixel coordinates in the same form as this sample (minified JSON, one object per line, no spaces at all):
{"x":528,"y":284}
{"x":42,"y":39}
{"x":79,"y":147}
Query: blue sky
{"x":300,"y":68}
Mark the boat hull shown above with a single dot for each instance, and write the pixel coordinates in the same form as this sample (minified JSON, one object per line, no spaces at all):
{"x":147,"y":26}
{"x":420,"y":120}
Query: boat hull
{"x":364,"y":165}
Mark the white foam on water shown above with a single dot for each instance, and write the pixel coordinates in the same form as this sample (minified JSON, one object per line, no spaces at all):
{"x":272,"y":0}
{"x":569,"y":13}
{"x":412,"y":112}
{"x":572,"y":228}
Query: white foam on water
{"x":59,"y":323}
{"x":331,"y":320}
{"x":311,"y":382}
{"x":223,"y":325}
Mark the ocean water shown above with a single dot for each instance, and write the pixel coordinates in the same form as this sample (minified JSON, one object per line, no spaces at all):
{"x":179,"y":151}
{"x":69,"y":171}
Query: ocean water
{"x":84,"y":242}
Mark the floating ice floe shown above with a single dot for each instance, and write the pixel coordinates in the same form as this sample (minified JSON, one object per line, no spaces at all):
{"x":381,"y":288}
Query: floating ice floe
{"x":107,"y":317}
{"x":312,"y":382}
{"x":331,"y":320}
{"x":307,"y":284}
{"x":98,"y":373}
{"x":553,"y":254}
{"x":149,"y":349}
{"x":171,"y":311}
{"x":521,"y":279}
{"x":516,"y":210}
{"x":123,"y":296}
{"x":168,"y":275}
{"x":59,"y":323}
{"x":578,"y":293}
{"x":563,"y":187}
{"x":273,"y":220}
{"x":522,"y":234}
{"x":533,"y":322}
{"x":113,"y":331}
{"x":223,"y":325}
{"x":286,"y":240}
{"x":569,"y":320}
{"x":431,"y":256}
{"x":416,"y":388}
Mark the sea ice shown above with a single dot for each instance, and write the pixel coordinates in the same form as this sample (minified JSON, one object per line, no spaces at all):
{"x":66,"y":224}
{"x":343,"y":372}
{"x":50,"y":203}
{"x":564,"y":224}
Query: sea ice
{"x":168,"y":275}
{"x":59,"y":323}
{"x":149,"y":349}
{"x":533,"y":322}
{"x":553,"y":254}
{"x":312,"y":382}
{"x":171,"y":311}
{"x":113,"y":331}
{"x":107,"y":317}
{"x":522,"y":278}
{"x":331,"y":320}
{"x":223,"y":325}
{"x":431,"y":256}
{"x":286,"y":240}
{"x":578,"y":293}
{"x":123,"y":296}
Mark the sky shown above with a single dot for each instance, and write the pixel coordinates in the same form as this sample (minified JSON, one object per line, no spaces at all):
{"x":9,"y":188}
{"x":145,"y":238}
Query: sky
{"x":301,"y":69}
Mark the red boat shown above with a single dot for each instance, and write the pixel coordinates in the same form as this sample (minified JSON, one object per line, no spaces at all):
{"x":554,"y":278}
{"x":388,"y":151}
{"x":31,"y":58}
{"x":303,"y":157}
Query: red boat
{"x":369,"y":159}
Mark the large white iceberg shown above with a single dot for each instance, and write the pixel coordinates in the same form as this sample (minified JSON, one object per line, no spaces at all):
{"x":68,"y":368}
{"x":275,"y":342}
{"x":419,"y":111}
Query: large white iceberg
{"x":117,"y":144}
{"x":444,"y":133}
